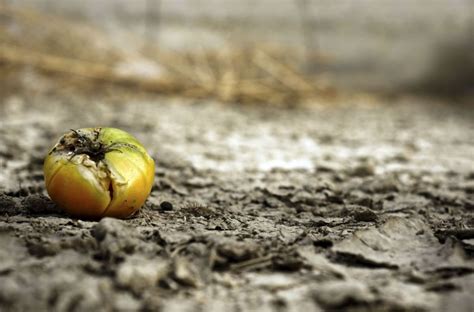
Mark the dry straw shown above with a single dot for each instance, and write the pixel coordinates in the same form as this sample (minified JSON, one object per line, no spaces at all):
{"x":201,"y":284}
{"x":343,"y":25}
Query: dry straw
{"x":57,"y":49}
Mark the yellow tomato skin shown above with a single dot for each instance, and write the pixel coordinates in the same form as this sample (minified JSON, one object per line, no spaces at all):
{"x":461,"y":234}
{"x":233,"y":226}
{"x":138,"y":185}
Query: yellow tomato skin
{"x":75,"y":189}
{"x":129,"y":194}
{"x":117,"y":185}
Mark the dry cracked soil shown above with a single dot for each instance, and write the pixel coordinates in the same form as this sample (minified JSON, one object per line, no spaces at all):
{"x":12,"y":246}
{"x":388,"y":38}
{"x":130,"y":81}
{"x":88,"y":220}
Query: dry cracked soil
{"x":357,"y":207}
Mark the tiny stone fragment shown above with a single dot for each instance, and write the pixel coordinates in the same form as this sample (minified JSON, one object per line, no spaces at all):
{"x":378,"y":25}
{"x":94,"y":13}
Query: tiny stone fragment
{"x":166,"y":206}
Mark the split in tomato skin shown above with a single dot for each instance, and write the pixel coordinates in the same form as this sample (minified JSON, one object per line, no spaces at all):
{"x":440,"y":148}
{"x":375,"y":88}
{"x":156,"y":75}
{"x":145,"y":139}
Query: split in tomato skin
{"x":99,"y":172}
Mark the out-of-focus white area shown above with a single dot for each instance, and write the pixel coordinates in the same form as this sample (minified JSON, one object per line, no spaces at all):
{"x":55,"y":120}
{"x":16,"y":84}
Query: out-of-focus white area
{"x":387,"y":138}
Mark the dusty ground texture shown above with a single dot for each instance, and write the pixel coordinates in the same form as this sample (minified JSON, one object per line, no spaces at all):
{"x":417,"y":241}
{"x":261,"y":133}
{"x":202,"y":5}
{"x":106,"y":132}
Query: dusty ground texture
{"x":365,"y":206}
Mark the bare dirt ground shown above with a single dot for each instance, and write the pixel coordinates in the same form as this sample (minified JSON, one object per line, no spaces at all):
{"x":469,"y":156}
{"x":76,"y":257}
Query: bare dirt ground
{"x":364,"y":206}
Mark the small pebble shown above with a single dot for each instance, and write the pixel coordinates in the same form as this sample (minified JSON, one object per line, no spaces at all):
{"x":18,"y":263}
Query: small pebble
{"x":166,"y":206}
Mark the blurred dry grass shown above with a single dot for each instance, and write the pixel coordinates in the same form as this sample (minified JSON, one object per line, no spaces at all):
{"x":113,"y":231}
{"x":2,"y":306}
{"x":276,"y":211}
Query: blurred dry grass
{"x":72,"y":56}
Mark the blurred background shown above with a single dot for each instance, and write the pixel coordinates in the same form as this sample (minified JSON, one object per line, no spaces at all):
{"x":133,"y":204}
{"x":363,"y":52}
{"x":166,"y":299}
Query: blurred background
{"x":272,"y":51}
